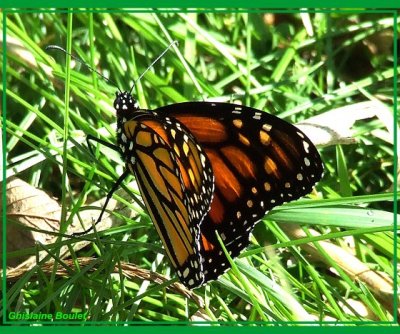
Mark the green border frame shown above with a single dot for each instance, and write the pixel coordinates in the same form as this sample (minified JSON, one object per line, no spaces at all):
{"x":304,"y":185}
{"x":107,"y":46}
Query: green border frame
{"x":165,"y":3}
{"x":395,"y":167}
{"x":270,"y":4}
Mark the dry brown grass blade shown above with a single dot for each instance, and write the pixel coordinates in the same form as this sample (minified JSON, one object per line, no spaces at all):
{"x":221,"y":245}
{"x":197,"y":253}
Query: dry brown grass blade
{"x":127,"y":269}
{"x":335,"y":126}
{"x":380,"y":285}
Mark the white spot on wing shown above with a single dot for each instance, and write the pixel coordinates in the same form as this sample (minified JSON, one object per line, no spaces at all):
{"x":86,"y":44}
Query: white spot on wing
{"x":306,"y":146}
{"x":257,"y":116}
{"x":123,"y":137}
{"x":186,"y":273}
{"x":267,"y":127}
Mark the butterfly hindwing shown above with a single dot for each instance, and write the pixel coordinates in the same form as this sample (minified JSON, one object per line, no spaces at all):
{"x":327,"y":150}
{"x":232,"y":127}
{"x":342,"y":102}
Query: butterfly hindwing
{"x":176,"y":181}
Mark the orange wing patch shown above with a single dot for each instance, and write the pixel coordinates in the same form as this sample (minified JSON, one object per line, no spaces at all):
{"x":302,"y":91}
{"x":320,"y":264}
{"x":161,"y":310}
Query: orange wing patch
{"x":129,"y":128}
{"x":225,"y":179}
{"x":204,"y":128}
{"x":217,"y":210}
{"x":240,"y":161}
{"x":271,"y":167}
{"x":207,"y":246}
{"x":157,"y":178}
{"x":157,"y":127}
{"x":283,"y":158}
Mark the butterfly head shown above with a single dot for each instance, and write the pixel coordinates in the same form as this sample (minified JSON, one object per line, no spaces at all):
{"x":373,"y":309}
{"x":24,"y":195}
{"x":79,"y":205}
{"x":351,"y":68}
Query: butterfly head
{"x":125,"y":104}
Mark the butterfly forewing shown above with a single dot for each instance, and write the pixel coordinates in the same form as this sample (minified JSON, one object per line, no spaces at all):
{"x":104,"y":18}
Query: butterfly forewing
{"x":177,"y":184}
{"x":259,"y":161}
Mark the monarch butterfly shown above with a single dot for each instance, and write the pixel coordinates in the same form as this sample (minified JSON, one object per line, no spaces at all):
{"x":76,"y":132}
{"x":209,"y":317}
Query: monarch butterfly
{"x":205,"y":168}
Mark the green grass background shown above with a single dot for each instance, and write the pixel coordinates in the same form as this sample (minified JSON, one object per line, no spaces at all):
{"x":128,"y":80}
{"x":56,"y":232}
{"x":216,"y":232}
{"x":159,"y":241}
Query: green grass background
{"x":263,"y":60}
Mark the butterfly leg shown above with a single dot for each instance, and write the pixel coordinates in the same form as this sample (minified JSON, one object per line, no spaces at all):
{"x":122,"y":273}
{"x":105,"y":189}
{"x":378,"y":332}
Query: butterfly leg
{"x":90,"y":138}
{"x":109,"y":195}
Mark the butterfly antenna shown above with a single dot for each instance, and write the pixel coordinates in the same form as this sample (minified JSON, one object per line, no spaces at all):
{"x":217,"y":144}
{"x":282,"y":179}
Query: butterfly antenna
{"x":154,"y":61}
{"x":59,"y":48}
